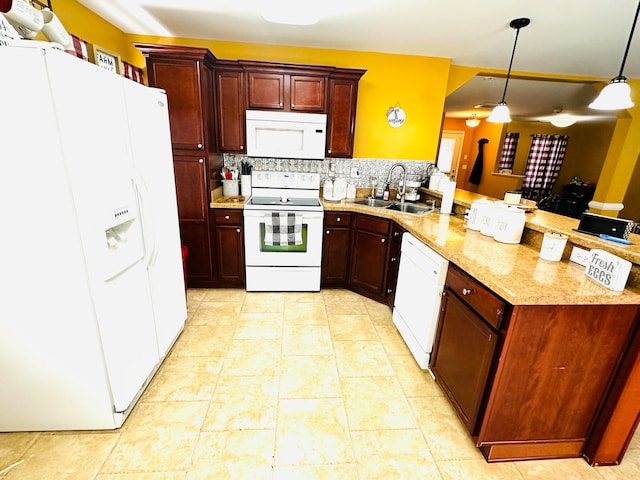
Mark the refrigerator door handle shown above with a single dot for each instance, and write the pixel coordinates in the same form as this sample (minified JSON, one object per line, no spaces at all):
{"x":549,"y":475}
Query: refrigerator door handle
{"x":146,"y":214}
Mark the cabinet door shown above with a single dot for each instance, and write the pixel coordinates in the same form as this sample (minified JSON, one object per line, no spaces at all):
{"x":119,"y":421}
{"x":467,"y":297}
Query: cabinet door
{"x":342,"y":117}
{"x":182,"y":82}
{"x":368,"y":262}
{"x":191,"y":192}
{"x":266,"y":90}
{"x":229,"y":249}
{"x":308,"y":94}
{"x":335,"y":256}
{"x":462,"y":356}
{"x":230,"y":111}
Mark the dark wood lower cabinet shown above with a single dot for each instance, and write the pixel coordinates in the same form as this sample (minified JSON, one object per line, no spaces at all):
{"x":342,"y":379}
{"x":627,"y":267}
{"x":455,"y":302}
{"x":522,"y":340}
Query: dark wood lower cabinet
{"x":228,"y":246}
{"x":369,"y":247}
{"x":530,"y":381}
{"x":462,"y":358}
{"x":335,"y":249}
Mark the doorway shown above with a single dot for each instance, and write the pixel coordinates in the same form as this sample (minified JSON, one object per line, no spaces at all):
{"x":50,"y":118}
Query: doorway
{"x":449,"y":153}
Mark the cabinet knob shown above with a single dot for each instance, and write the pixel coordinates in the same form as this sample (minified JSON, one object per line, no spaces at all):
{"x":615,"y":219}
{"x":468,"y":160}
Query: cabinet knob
{"x":395,"y":234}
{"x":238,"y":230}
{"x":389,"y":290}
{"x":199,"y":145}
{"x":329,"y":152}
{"x":227,"y":217}
{"x":338,"y":219}
{"x":383,"y":240}
{"x":241,"y":147}
{"x":201,"y":160}
{"x":281,"y":104}
{"x":328,"y":232}
{"x":293,"y":105}
{"x":394,"y":259}
{"x":467,"y":291}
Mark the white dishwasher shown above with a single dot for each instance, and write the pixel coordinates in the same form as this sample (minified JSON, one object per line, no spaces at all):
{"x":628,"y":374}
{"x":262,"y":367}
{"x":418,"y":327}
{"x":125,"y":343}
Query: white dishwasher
{"x":421,"y":278}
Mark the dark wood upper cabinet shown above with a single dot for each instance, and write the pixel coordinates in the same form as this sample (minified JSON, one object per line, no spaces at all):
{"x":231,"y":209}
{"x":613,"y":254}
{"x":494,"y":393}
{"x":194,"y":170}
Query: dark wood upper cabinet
{"x":230,"y":111}
{"x":341,"y":124}
{"x":289,"y":93}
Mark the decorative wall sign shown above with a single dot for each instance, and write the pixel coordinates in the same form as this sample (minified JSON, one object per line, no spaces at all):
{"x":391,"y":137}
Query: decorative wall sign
{"x":105,"y":59}
{"x":396,"y":116}
{"x":607,"y":269}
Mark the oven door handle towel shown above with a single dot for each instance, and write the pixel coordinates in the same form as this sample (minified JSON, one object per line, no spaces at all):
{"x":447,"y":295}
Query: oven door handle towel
{"x":282,"y":228}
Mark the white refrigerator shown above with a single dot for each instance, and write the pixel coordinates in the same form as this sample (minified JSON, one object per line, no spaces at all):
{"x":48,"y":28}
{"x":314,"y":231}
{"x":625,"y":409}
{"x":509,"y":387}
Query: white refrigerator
{"x":92,"y":294}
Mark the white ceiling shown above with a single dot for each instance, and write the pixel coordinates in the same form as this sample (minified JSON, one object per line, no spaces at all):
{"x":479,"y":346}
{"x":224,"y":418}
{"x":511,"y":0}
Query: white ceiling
{"x":567,"y":37}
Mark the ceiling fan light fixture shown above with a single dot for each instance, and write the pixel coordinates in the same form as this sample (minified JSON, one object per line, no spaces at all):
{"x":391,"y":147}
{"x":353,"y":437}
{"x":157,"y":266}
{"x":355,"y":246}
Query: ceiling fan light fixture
{"x":617,"y":95}
{"x":289,"y":12}
{"x":563,"y":120}
{"x":472,"y":121}
{"x":500,"y":114}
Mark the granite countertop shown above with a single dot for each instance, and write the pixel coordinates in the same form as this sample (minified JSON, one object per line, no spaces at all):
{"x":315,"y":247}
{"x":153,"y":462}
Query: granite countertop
{"x":514,"y":272}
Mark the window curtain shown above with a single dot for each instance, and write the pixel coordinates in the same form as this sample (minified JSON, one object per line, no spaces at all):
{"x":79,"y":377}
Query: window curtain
{"x":545,"y":159}
{"x":508,"y":155}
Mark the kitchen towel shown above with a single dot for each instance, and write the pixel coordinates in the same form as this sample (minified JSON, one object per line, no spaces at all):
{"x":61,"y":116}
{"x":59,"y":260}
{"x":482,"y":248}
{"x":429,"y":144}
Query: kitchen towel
{"x":282,"y":228}
{"x":476,"y":171}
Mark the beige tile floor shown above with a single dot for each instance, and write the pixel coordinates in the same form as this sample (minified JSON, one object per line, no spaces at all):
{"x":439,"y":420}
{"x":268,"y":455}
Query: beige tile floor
{"x":284,"y":386}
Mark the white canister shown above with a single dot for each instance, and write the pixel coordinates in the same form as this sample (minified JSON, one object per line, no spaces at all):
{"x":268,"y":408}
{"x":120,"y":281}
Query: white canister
{"x":488,"y":215}
{"x":473,"y":220}
{"x":509,"y":225}
{"x":339,"y":189}
{"x":448,"y":189}
{"x":351,"y":191}
{"x":230,"y":188}
{"x":327,"y":189}
{"x":434,"y":181}
{"x":245,"y":185}
{"x":553,"y":246}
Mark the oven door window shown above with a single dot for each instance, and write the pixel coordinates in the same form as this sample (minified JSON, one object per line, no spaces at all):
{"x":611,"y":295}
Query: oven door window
{"x":283,"y":248}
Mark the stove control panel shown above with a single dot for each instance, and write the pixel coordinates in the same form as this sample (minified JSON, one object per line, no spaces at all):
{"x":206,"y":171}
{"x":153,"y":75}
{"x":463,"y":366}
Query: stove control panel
{"x":298,"y":180}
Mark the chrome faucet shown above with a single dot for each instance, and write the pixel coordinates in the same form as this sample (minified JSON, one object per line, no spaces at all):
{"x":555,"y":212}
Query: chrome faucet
{"x":404,"y":179}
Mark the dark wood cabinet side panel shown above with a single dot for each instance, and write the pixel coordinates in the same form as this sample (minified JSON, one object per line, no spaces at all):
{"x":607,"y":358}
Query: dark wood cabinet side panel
{"x":556,"y":363}
{"x":182,"y":84}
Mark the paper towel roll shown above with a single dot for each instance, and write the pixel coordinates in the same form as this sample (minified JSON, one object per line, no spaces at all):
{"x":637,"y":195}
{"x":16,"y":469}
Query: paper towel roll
{"x":553,"y":246}
{"x":448,"y":189}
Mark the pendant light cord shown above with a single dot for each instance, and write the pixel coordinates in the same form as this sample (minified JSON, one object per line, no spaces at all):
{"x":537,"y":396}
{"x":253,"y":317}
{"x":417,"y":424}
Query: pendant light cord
{"x":633,"y":27}
{"x":513,"y":52}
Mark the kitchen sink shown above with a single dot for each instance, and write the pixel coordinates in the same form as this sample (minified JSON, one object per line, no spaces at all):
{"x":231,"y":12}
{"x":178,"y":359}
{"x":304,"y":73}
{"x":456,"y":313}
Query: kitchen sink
{"x":410,"y":208}
{"x":395,"y":206}
{"x":372,"y":202}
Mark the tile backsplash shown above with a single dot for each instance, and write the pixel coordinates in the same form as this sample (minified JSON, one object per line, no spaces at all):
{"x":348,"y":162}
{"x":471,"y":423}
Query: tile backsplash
{"x":370,"y":169}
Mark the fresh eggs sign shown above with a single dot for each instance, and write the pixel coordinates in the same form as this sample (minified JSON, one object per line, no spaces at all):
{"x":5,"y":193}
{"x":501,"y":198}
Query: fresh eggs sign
{"x":607,"y":269}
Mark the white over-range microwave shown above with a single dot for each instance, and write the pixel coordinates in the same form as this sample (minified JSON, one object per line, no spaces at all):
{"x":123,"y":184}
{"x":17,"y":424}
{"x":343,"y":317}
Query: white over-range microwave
{"x":286,"y":134}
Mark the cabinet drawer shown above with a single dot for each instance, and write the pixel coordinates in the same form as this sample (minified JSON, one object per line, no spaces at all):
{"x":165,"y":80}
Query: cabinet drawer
{"x":337,"y":219}
{"x":477,"y":296}
{"x":372,"y":224}
{"x":228,"y":217}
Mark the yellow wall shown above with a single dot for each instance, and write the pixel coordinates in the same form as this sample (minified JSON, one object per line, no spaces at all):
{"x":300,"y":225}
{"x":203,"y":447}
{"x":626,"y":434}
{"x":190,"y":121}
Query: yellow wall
{"x":418,"y":84}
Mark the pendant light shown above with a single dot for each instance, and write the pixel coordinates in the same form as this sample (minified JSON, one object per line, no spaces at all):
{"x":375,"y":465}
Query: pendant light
{"x":500,"y":113}
{"x":472,"y":121}
{"x":617,"y":95}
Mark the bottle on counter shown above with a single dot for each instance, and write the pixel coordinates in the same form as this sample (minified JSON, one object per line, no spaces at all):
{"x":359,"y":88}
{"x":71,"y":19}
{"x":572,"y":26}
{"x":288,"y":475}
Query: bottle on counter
{"x":386,"y":193}
{"x":339,"y":188}
{"x":351,"y":191}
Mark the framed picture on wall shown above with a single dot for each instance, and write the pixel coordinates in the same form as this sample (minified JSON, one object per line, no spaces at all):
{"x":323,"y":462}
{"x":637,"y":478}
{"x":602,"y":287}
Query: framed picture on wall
{"x":105,"y":59}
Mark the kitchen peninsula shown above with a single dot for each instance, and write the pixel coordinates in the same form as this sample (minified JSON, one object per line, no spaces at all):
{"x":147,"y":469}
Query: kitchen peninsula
{"x":562,"y":377}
